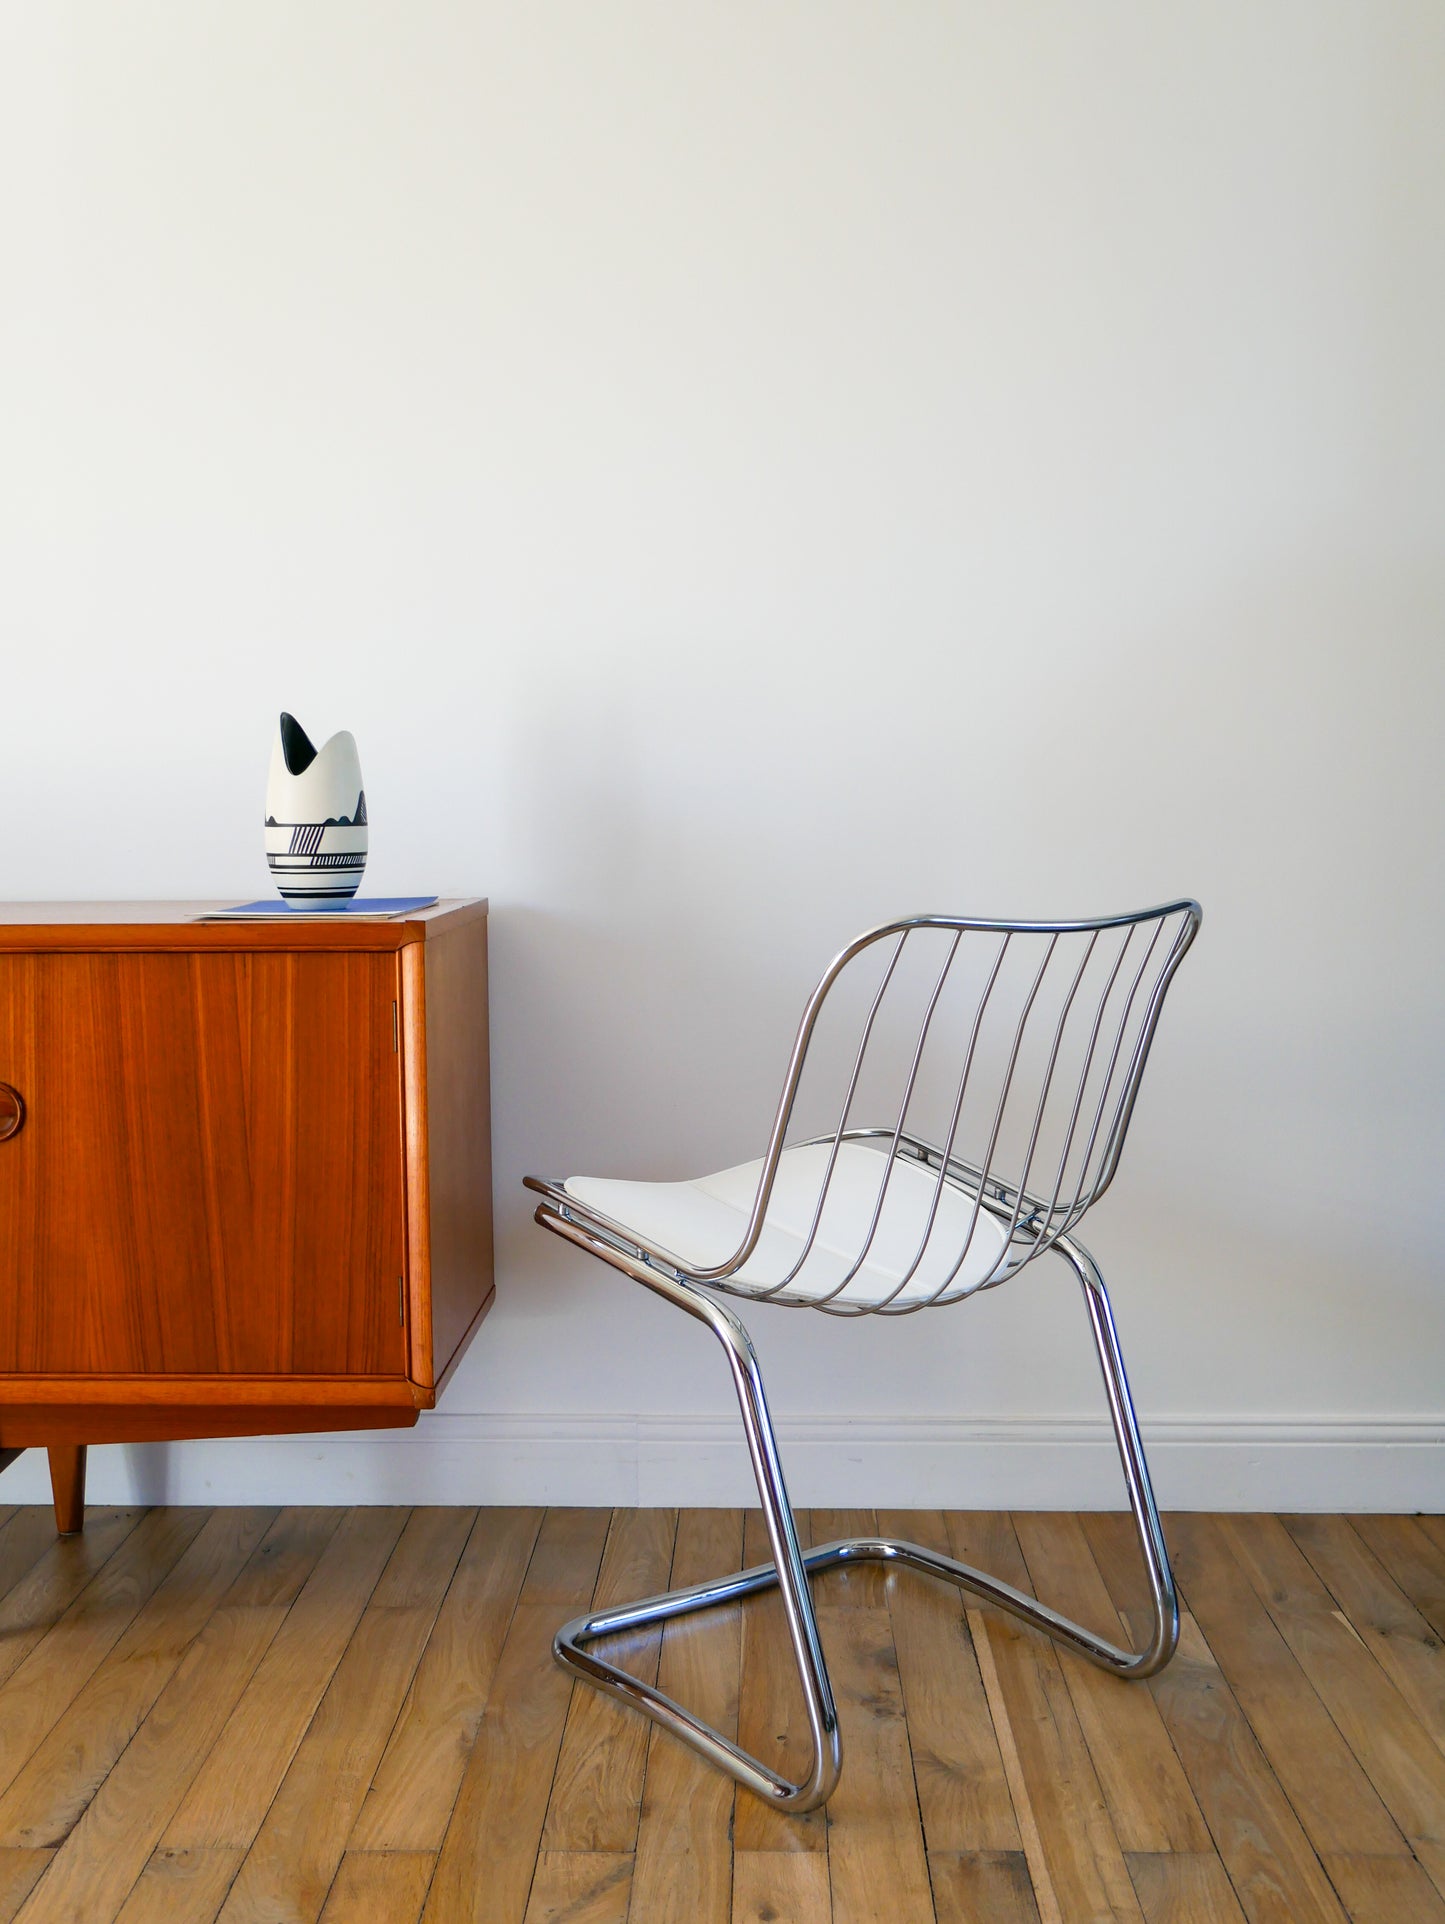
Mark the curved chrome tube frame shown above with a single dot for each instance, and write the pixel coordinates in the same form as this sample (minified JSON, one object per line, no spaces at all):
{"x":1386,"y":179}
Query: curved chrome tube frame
{"x":791,"y":1566}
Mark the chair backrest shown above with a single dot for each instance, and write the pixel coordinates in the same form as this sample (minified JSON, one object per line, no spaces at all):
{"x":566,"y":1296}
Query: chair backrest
{"x":1004,"y":1057}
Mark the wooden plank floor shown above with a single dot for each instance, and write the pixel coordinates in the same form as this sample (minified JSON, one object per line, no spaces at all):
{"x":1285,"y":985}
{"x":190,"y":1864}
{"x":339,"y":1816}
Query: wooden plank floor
{"x":308,"y":1716}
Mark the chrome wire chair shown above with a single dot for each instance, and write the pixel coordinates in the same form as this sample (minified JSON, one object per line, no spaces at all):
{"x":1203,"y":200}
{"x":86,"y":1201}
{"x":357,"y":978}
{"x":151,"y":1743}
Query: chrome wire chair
{"x":1009,"y":1056}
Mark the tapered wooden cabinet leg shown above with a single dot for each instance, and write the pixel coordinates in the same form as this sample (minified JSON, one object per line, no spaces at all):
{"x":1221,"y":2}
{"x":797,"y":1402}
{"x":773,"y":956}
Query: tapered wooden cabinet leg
{"x":67,"y":1486}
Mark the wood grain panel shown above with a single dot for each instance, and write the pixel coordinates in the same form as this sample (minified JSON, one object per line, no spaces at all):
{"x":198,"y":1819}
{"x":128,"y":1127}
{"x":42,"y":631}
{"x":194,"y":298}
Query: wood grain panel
{"x":1333,"y":1796}
{"x":982,"y":1887}
{"x":23,"y":1541}
{"x":962,"y":1789}
{"x":1083,"y":1864}
{"x":48,"y":1796}
{"x":1385,"y":1890}
{"x":597,"y":1788}
{"x":289,"y":1869}
{"x":111,"y":1846}
{"x":379,"y":1887}
{"x":1394,"y":1751}
{"x":1183,"y":1887}
{"x":780,"y":1887}
{"x":294,"y":1679}
{"x":684,"y":1840}
{"x":1413,"y":1559}
{"x":1148,"y":1794}
{"x":64,"y":927}
{"x":39,"y":1690}
{"x":580,"y":1887}
{"x":876,"y":1862}
{"x":1402,"y":1642}
{"x":1276,"y":1875}
{"x":448,"y":1069}
{"x":509,"y":1772}
{"x":43,"y":1595}
{"x":180,"y":1887}
{"x":210,"y":1176}
{"x":415,"y":1786}
{"x":139,"y":1409}
{"x":19,"y":1873}
{"x":232,"y":1790}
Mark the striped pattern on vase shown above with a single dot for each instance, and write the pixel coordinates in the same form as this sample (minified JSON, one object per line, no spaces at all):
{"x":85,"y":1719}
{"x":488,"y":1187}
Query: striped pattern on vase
{"x":316,"y":827}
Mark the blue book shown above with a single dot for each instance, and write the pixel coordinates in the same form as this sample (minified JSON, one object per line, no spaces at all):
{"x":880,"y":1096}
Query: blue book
{"x":385,"y":906}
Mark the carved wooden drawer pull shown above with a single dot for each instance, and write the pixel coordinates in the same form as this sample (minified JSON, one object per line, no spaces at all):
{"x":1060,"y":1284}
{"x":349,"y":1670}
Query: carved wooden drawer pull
{"x":12,"y":1111}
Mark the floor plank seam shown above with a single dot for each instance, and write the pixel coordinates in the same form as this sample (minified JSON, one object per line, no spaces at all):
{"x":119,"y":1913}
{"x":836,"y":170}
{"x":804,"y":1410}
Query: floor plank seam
{"x":1126,"y":1634}
{"x":1033,"y":1845}
{"x":1330,"y":1630}
{"x":562,"y":1725}
{"x":1214,"y":1838}
{"x":890,"y":1583}
{"x":436,"y":1855}
{"x":99,"y":1668}
{"x":655,"y":1731}
{"x":280,"y":1625}
{"x":1350,"y":1748}
{"x":276,"y":1790}
{"x":1436,"y":1733}
{"x":1267,"y":1760}
{"x":406,"y":1694}
{"x":125,"y":1749}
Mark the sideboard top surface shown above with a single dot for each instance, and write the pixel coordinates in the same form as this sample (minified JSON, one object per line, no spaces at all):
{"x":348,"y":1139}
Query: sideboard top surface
{"x":180,"y":925}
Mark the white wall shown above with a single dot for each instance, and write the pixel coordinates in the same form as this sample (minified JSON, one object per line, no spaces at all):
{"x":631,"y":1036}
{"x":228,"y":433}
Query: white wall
{"x":743,"y":471}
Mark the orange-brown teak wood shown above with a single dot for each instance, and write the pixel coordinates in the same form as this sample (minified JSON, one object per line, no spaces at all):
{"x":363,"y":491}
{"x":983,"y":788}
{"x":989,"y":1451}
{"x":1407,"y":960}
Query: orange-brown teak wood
{"x":248,"y":1187}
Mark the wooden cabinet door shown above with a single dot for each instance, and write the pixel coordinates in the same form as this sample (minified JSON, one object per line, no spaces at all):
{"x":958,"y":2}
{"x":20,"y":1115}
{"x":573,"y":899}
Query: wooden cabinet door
{"x":209,"y":1178}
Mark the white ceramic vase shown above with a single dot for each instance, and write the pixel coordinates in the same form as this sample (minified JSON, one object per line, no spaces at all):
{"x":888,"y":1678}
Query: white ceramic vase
{"x":315,"y":818}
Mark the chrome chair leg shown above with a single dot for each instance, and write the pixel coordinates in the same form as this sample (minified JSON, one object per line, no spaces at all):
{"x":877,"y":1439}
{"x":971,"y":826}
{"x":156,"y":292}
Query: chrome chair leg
{"x":791,"y":1567}
{"x":787,"y":1571}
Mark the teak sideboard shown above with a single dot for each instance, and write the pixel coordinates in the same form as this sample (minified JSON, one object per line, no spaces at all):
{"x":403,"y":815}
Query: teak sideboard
{"x":245,"y":1173}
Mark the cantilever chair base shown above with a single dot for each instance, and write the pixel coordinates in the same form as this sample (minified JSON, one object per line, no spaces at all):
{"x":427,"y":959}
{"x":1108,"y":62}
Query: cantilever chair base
{"x":1042,"y":1038}
{"x":791,"y":1567}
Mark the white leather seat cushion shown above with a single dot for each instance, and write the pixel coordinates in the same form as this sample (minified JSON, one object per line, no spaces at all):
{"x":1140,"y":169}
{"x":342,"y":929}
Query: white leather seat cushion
{"x":702,"y":1223}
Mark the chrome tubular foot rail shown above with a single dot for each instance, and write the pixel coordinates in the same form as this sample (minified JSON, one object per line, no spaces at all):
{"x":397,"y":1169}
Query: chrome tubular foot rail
{"x":787,"y":1570}
{"x":791,"y":1568}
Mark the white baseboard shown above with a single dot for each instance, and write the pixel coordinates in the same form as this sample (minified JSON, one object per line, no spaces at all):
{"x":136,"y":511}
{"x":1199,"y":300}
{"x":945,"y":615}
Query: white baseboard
{"x":1325,"y":1463}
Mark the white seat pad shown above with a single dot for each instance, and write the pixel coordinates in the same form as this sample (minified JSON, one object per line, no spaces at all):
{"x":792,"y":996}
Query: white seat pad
{"x":702,"y":1224}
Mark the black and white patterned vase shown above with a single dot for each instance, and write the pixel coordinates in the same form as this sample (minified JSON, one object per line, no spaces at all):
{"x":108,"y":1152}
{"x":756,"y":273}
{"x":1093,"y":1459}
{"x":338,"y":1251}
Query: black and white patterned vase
{"x":315,"y":818}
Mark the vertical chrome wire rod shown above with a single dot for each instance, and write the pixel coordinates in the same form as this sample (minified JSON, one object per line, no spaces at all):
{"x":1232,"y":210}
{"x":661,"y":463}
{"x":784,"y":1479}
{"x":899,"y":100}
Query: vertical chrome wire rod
{"x":927,"y":1302}
{"x":1125,"y":1109}
{"x":1080,"y":1202}
{"x":820,"y":1302}
{"x":716,"y":1272}
{"x":884,"y":1307}
{"x":837,"y":1143}
{"x":986,"y":1165}
{"x":1053,"y":1057}
{"x":1079,"y":1093}
{"x":957,"y":1113}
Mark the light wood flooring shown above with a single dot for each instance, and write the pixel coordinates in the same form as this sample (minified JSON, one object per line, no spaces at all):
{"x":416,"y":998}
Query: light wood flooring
{"x":343,"y":1715}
